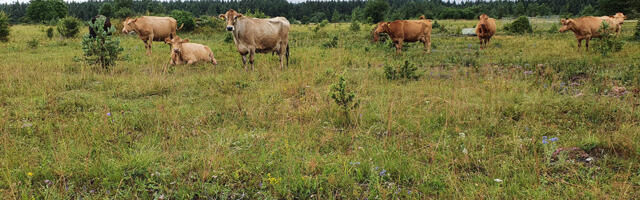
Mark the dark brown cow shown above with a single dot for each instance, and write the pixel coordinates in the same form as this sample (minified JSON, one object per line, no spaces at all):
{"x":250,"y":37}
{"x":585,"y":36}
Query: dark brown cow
{"x":107,"y":25}
{"x":401,"y":31}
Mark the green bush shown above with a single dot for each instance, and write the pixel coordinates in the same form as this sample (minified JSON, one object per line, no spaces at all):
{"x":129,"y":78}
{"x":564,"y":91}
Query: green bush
{"x":4,"y":27}
{"x":50,"y":32}
{"x":519,"y":26}
{"x":184,"y":19}
{"x":256,"y":13}
{"x":608,"y":42}
{"x":342,"y":96}
{"x":107,"y":9}
{"x":124,"y":13}
{"x":355,"y":26}
{"x":33,"y":43}
{"x":213,"y":24}
{"x":45,"y":10}
{"x":637,"y":34}
{"x":554,"y":28}
{"x":406,"y":72}
{"x":101,"y":49}
{"x":68,"y":27}
{"x":375,"y":10}
{"x":331,"y":43}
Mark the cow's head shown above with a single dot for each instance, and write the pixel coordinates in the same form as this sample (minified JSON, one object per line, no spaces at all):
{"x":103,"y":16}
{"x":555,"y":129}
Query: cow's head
{"x":380,"y":28}
{"x":619,"y":17}
{"x":483,"y":17}
{"x":129,"y":26}
{"x":567,"y":24}
{"x":176,"y":44}
{"x":231,"y":16}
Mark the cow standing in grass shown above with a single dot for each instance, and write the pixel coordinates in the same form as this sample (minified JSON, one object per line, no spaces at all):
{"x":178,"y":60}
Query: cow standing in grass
{"x":401,"y":31}
{"x":485,"y":29}
{"x":106,"y":26}
{"x":585,"y":28}
{"x":150,"y":28}
{"x":253,"y":35}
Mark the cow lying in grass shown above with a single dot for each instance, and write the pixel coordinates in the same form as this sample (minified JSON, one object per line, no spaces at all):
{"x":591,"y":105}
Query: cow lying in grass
{"x":184,"y":52}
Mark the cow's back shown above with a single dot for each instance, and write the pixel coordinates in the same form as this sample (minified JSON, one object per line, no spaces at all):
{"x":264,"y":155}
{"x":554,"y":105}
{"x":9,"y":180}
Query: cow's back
{"x":589,"y":25}
{"x":263,"y":35}
{"x":162,"y":27}
{"x":410,"y":30}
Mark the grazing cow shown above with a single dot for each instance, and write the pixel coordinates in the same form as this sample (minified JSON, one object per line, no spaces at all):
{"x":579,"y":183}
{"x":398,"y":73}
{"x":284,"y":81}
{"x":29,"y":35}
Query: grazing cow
{"x":401,"y":31}
{"x":253,"y":35}
{"x":151,"y":29}
{"x":184,"y":52}
{"x":485,"y":29}
{"x":584,"y":28}
{"x":107,"y":25}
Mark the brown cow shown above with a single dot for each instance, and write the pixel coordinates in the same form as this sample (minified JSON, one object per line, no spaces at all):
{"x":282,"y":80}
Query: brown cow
{"x":584,"y":28}
{"x":485,"y":29}
{"x":253,"y":35}
{"x":616,"y":21}
{"x":401,"y":31}
{"x":184,"y":52}
{"x":150,"y":28}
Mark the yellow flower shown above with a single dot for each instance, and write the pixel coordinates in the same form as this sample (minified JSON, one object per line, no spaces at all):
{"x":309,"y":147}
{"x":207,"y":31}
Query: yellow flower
{"x":29,"y":174}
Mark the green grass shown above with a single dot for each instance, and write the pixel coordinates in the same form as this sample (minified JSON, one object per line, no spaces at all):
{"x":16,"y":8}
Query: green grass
{"x":222,"y":132}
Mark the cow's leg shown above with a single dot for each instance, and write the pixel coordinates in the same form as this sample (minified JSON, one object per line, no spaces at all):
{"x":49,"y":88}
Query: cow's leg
{"x":251,"y":54}
{"x":579,"y":44}
{"x":244,"y":61}
{"x":281,"y":55}
{"x":481,"y":43}
{"x":586,"y":43}
{"x":428,"y":43}
{"x":398,"y":47}
{"x":190,"y":62}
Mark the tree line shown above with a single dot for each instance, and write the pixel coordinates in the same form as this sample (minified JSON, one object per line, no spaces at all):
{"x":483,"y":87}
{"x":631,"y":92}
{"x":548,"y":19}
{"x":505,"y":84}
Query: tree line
{"x":315,"y":11}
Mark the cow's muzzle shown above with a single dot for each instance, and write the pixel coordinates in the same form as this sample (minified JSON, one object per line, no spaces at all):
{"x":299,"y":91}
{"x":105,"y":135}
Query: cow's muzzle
{"x":229,"y":28}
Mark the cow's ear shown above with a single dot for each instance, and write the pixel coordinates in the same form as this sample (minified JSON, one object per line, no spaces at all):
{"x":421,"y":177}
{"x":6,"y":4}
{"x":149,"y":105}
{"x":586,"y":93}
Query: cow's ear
{"x":185,"y":40}
{"x":238,"y":16}
{"x":221,"y":16}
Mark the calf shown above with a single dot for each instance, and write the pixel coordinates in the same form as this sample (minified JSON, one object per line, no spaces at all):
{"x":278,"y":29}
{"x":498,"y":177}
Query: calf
{"x":485,"y":29}
{"x":184,"y":52}
{"x":401,"y":31}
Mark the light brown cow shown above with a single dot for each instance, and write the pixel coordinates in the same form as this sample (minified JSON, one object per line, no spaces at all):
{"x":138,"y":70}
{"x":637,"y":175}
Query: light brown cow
{"x":150,"y":28}
{"x":184,"y":52}
{"x":616,"y":21}
{"x":584,"y":28}
{"x":401,"y":31}
{"x":485,"y":29}
{"x":253,"y":35}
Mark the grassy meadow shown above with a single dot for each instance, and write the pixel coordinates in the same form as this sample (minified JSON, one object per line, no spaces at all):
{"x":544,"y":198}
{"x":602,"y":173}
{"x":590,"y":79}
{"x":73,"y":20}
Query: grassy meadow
{"x":470,"y":127}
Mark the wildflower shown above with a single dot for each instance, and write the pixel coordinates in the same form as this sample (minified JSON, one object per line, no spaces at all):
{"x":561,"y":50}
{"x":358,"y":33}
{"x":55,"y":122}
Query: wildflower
{"x":544,"y":140}
{"x":409,"y":192}
{"x":109,"y":114}
{"x":462,"y":135}
{"x":469,"y":46}
{"x":47,"y":182}
{"x":498,"y":180}
{"x":29,"y":174}
{"x":354,"y":163}
{"x":464,"y":151}
{"x":528,"y":72}
{"x":383,"y":172}
{"x":554,"y":139}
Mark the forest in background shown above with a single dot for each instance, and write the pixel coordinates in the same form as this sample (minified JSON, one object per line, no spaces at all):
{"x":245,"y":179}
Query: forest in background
{"x":315,"y":11}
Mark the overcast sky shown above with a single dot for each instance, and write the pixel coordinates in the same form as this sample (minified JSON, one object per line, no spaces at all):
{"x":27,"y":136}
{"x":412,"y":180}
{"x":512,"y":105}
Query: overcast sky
{"x":11,"y":1}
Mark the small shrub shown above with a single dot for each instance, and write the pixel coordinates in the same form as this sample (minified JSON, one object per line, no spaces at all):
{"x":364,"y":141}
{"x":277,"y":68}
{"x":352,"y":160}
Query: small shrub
{"x":342,"y":96}
{"x":210,"y":24}
{"x":50,"y":32}
{"x":355,"y":26}
{"x":637,"y":34}
{"x":33,"y":43}
{"x":68,"y":27}
{"x":435,"y":25}
{"x":101,"y":49}
{"x":331,"y":43}
{"x":630,"y":76}
{"x":406,"y":72}
{"x":519,"y":26}
{"x":4,"y":27}
{"x":184,"y":17}
{"x":554,"y":28}
{"x":608,"y":42}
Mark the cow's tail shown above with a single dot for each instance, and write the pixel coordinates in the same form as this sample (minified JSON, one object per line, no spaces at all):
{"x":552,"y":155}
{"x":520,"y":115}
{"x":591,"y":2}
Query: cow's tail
{"x":287,"y":54}
{"x":180,"y":27}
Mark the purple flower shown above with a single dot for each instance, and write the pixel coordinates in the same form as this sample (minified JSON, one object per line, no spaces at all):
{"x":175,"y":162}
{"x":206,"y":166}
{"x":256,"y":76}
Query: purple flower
{"x":354,"y":163}
{"x":383,"y":172}
{"x":109,"y":114}
{"x":544,"y":140}
{"x":554,"y":139}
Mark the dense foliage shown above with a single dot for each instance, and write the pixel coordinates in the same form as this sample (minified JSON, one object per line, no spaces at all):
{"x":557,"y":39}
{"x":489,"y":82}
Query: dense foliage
{"x":519,"y":26}
{"x":316,"y":11}
{"x":69,"y":27}
{"x":45,"y":10}
{"x":101,"y":49}
{"x":184,"y":18}
{"x":4,"y":27}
